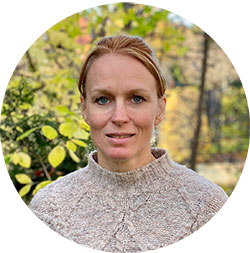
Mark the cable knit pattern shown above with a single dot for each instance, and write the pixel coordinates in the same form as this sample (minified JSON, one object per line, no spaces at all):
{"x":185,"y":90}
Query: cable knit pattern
{"x":143,"y":209}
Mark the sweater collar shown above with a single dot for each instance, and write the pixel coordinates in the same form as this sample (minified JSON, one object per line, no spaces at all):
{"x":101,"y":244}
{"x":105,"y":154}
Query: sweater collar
{"x":149,"y":173}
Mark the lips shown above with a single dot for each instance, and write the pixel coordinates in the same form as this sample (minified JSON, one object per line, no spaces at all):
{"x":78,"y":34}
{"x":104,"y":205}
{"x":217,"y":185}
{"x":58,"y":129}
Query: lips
{"x":119,"y":135}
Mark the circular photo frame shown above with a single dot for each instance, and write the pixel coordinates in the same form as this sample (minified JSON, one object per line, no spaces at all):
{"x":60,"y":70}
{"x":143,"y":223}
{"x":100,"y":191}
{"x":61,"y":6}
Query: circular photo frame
{"x":44,"y":136}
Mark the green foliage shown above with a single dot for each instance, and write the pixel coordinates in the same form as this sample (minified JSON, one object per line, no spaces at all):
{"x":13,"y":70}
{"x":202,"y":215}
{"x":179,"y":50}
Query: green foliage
{"x":230,"y":136}
{"x":27,"y":133}
{"x":235,"y":122}
{"x":148,"y":22}
{"x":36,"y":151}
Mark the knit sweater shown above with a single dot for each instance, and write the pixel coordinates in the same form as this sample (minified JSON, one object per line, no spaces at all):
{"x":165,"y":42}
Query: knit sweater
{"x":139,"y":210}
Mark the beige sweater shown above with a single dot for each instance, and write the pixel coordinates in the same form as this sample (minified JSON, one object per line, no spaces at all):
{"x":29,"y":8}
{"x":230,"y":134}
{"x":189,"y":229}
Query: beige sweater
{"x":144,"y":209}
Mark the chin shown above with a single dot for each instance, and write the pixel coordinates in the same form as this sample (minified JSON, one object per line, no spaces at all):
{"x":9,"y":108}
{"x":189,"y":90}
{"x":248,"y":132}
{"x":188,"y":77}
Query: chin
{"x":119,"y":155}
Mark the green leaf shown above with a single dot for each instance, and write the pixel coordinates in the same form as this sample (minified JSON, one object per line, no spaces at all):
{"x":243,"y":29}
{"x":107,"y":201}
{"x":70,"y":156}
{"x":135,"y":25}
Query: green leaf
{"x":74,"y":156}
{"x":79,"y":143}
{"x":49,"y":132}
{"x":67,"y":129}
{"x":56,"y":155}
{"x":25,"y":160}
{"x":81,"y":134}
{"x":181,"y":51}
{"x":25,"y":134}
{"x":40,"y":186}
{"x":166,"y":46}
{"x":7,"y":159}
{"x":24,"y":190}
{"x":71,"y":146}
{"x":23,"y":178}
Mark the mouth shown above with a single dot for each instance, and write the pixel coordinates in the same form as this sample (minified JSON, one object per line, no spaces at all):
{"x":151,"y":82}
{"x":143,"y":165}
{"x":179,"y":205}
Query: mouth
{"x":120,"y":136}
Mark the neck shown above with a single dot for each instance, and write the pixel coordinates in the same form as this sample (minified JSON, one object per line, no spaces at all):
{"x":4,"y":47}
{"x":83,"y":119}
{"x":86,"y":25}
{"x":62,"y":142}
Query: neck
{"x":124,"y":165}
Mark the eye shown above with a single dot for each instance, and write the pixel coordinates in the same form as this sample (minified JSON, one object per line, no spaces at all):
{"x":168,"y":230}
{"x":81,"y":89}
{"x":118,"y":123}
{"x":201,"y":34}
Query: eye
{"x":102,"y":100}
{"x":137,"y":99}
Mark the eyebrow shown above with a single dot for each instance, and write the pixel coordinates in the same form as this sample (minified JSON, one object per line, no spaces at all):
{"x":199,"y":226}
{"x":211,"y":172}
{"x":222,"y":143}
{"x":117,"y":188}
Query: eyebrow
{"x":132,"y":91}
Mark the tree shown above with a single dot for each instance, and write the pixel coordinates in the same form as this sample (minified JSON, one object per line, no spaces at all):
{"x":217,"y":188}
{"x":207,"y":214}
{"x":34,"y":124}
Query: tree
{"x":195,"y":141}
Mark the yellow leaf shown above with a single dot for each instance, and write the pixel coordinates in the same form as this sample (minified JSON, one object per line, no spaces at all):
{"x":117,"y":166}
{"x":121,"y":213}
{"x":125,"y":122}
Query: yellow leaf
{"x":40,"y":186}
{"x":49,"y":132}
{"x":24,"y":106}
{"x":71,"y":146}
{"x":81,"y":134}
{"x":24,"y":190}
{"x":23,"y":178}
{"x":67,"y":129}
{"x":74,"y":156}
{"x":15,"y":158}
{"x":62,"y":109}
{"x":79,"y":143}
{"x":25,"y":160}
{"x":19,"y":129}
{"x":56,"y":155}
{"x":83,"y":124}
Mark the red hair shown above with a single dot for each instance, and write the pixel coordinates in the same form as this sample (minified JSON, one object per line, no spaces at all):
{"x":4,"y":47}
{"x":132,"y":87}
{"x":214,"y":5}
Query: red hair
{"x":124,"y":45}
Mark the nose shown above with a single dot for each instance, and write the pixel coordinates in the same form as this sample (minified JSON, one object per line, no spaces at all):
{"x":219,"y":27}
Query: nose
{"x":120,"y":115}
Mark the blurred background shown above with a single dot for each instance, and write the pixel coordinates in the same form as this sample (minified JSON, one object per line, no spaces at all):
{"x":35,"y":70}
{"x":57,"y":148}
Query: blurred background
{"x":206,"y":126}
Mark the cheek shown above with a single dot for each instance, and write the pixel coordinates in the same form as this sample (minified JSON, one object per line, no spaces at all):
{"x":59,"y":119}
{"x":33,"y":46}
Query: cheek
{"x":96,"y":123}
{"x":96,"y":131}
{"x":145,"y":121}
{"x":96,"y":120}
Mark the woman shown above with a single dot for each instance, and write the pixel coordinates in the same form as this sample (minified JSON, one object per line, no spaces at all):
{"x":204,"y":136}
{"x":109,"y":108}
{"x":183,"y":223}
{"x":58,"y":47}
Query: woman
{"x":130,"y":198}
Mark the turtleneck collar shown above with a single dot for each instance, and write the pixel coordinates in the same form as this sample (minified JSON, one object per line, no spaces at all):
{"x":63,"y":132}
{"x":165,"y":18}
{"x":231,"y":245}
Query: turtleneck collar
{"x":157,"y":169}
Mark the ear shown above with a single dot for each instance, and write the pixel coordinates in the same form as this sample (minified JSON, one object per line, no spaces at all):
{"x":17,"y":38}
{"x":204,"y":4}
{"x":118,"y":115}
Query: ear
{"x":83,"y":108}
{"x":161,"y":110}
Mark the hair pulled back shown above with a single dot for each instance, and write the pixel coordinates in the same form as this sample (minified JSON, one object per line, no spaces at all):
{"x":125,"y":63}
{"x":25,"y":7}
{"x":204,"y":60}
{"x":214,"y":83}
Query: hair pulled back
{"x":124,"y":45}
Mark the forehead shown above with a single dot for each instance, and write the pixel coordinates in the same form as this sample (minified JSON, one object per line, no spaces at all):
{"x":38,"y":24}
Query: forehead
{"x":119,"y":71}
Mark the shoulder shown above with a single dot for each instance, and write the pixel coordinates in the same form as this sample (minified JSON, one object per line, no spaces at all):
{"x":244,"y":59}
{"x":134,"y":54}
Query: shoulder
{"x":194,"y":183}
{"x":61,"y":192}
{"x":202,"y":195}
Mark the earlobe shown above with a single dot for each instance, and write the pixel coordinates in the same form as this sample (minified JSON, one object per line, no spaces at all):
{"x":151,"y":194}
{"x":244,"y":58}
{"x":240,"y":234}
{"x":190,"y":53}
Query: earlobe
{"x":161,"y":111}
{"x":83,"y":109}
{"x":81,"y":99}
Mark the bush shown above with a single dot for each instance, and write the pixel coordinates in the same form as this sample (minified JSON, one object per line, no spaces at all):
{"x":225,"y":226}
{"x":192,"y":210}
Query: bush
{"x":40,"y":147}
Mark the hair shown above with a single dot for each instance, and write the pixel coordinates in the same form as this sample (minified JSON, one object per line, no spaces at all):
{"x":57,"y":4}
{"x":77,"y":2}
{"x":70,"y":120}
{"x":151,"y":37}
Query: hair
{"x":124,"y":45}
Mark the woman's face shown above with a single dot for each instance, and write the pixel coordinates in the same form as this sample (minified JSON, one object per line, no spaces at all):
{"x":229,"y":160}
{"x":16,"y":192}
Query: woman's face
{"x":121,"y":108}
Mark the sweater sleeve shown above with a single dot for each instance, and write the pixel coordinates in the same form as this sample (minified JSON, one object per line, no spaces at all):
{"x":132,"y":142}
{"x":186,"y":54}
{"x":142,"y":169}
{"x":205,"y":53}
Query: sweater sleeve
{"x":211,"y":206}
{"x":45,"y":207}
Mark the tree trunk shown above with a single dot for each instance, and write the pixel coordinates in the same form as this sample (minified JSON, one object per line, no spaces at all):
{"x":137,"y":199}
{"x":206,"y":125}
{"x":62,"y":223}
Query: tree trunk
{"x":195,"y":141}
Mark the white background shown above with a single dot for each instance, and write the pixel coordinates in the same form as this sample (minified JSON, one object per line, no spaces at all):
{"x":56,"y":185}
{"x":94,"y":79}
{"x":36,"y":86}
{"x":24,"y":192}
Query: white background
{"x":22,"y":22}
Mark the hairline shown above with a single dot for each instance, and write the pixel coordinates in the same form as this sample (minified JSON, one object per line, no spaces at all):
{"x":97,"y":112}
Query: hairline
{"x":147,"y":59}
